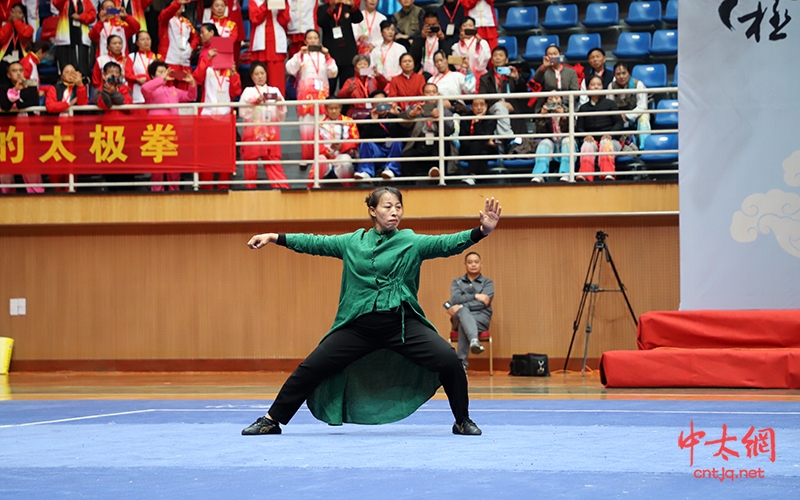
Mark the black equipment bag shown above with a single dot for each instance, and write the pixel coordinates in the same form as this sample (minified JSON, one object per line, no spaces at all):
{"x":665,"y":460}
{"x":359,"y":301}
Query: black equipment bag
{"x":530,"y":365}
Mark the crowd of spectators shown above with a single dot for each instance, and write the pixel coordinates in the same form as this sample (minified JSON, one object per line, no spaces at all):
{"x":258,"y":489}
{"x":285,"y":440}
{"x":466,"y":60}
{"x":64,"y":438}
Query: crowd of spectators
{"x":116,"y":52}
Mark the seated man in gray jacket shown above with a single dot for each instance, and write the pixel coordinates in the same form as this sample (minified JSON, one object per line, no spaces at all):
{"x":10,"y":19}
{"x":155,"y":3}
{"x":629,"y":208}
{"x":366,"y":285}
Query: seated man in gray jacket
{"x":470,"y":306}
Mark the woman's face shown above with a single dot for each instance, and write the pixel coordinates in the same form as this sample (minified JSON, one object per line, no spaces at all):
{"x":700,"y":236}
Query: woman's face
{"x":467,"y":25}
{"x":361,"y":64}
{"x":388,"y":213}
{"x":388,"y":33}
{"x":622,"y":76}
{"x":371,"y":5}
{"x":259,"y":76}
{"x":144,"y":42}
{"x":479,"y":107}
{"x":218,"y":8}
{"x":107,"y":5}
{"x":115,"y":46}
{"x":440,"y":62}
{"x":161,"y":71}
{"x":206,"y":34}
{"x":407,"y":64}
{"x":312,"y":39}
{"x":595,"y":84}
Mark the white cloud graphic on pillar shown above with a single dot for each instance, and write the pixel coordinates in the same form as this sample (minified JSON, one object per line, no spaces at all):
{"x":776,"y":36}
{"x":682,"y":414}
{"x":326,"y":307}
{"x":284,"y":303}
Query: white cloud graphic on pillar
{"x":775,"y":212}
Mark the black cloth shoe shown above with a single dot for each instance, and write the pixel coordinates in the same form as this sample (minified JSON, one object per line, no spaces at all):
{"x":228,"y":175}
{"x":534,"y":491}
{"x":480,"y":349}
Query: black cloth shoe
{"x":264,"y":426}
{"x":467,"y":428}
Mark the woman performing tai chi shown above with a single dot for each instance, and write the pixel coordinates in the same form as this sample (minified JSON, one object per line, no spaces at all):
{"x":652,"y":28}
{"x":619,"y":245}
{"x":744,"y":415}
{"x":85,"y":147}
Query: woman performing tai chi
{"x":381,"y":347}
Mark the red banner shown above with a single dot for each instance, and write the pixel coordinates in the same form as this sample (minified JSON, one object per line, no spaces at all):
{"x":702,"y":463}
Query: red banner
{"x":101,"y":144}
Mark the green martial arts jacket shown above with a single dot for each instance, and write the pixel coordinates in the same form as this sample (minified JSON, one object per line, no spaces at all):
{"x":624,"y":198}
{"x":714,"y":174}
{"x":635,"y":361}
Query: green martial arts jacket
{"x":380,"y":273}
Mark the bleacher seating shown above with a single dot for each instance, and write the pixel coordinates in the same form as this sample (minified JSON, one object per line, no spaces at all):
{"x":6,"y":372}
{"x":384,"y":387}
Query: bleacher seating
{"x":537,"y":45}
{"x":674,"y":82}
{"x":559,"y":17}
{"x":579,"y":45}
{"x":660,"y":142}
{"x":644,"y":13}
{"x":633,"y":45}
{"x":521,"y":19}
{"x":665,"y":43}
{"x":510,"y":43}
{"x":601,"y":15}
{"x":652,"y":75}
{"x":671,"y":13}
{"x":667,"y":120}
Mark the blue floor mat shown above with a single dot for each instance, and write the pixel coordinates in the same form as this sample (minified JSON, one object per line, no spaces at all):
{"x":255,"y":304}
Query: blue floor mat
{"x":556,"y":449}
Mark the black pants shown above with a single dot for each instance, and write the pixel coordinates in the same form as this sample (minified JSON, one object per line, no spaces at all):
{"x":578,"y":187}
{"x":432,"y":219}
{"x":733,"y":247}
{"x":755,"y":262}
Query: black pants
{"x":366,"y":334}
{"x":419,"y":167}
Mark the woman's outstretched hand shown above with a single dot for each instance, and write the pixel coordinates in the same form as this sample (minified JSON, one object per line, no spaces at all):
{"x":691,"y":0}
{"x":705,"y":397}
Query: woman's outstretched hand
{"x":490,"y":215}
{"x":262,"y":240}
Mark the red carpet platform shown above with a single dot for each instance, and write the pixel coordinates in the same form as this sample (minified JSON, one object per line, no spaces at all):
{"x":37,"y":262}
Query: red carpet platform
{"x":747,"y":349}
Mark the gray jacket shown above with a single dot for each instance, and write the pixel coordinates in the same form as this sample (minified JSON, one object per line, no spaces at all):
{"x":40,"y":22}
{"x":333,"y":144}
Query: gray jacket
{"x":462,"y":291}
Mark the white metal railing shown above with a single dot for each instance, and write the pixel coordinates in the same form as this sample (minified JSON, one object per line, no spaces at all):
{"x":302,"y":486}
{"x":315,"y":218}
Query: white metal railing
{"x":442,"y":158}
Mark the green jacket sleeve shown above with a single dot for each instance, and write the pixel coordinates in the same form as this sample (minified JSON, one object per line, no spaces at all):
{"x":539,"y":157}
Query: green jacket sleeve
{"x":316,"y":244}
{"x":445,"y":245}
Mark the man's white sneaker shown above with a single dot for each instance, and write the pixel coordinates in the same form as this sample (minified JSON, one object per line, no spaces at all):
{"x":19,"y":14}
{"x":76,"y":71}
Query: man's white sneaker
{"x":433,"y":172}
{"x":387,"y":174}
{"x":361,"y":176}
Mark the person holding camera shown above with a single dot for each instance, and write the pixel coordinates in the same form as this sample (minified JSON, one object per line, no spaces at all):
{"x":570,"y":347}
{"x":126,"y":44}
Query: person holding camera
{"x":385,"y":58}
{"x":553,"y":74}
{"x":312,"y":66}
{"x":112,"y":91}
{"x":451,"y":83}
{"x":177,"y":38}
{"x":382,"y":359}
{"x":504,"y":79}
{"x":70,"y":90}
{"x":19,"y":94}
{"x":336,"y":20}
{"x":472,"y":49}
{"x":430,"y":42}
{"x":380,"y":129}
{"x":265,"y":107}
{"x":360,"y":86}
{"x":423,"y":121}
{"x":112,"y":21}
{"x":470,"y":306}
{"x":559,"y":127}
{"x":636,"y":116}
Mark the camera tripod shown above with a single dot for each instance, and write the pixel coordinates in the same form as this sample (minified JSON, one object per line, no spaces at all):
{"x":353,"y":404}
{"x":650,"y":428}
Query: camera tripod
{"x":592,"y":286}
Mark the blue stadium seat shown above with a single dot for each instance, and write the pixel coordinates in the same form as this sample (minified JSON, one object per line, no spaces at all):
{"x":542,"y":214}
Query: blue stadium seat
{"x":665,"y":43}
{"x":601,"y":15}
{"x":667,"y":120}
{"x":510,"y":43}
{"x":579,"y":45}
{"x":560,"y":17}
{"x":247,"y":28}
{"x":671,"y":14}
{"x":521,"y":18}
{"x":537,"y":45}
{"x":652,"y":75}
{"x":674,"y":82}
{"x":644,"y":13}
{"x":632,"y":45}
{"x":660,"y":142}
